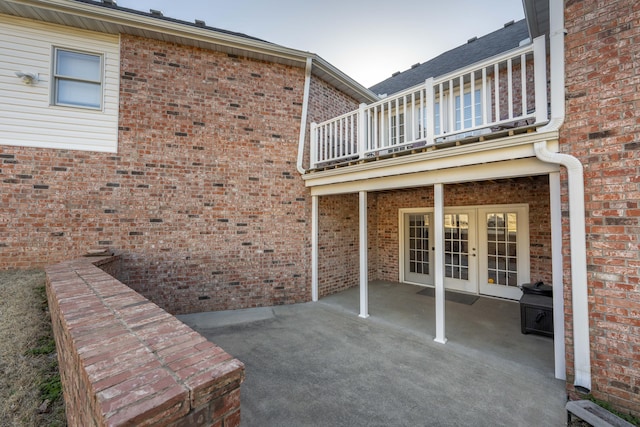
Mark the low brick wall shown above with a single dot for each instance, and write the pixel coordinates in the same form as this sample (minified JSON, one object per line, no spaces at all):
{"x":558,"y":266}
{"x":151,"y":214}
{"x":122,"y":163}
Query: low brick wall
{"x":125,"y":361}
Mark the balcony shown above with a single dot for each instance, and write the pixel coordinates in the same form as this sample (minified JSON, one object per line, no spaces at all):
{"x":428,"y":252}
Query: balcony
{"x":495,"y":98}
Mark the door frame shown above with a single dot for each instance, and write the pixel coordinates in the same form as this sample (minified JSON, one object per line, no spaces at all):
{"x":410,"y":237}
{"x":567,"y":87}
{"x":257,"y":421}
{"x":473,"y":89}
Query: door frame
{"x":524,"y":263}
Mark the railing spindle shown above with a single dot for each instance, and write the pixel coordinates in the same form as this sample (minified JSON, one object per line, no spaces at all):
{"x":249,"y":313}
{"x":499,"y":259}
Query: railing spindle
{"x":472,"y":83}
{"x":496,"y":88}
{"x":523,"y":88}
{"x":485,"y":117}
{"x":510,"y":87}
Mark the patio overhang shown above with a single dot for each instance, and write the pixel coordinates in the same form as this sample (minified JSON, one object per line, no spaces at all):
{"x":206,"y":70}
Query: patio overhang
{"x":505,"y":158}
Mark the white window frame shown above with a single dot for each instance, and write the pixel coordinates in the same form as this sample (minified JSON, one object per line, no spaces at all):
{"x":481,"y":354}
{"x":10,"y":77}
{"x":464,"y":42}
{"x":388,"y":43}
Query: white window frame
{"x":398,"y":135}
{"x":57,"y":77}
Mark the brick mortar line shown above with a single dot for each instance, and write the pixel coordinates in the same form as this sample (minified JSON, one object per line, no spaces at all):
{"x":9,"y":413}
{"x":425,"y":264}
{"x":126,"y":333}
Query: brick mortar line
{"x":181,"y":381}
{"x":128,"y":328}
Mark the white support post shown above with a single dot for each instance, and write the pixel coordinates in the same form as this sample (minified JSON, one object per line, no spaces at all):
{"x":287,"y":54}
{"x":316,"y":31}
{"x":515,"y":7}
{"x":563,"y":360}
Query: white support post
{"x":362,"y":130}
{"x":510,"y":88}
{"x":438,"y":221}
{"x":557,"y":276}
{"x":540,"y":76}
{"x":314,"y":248}
{"x":313,"y":150}
{"x":431,"y":109}
{"x":364,"y":265}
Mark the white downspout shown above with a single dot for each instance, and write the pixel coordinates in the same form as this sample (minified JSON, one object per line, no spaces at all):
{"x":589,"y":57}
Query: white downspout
{"x":582,"y":350}
{"x":303,"y":117}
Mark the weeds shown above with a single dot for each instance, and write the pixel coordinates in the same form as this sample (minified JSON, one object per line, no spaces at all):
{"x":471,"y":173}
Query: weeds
{"x":30,"y":389}
{"x":627,"y":417}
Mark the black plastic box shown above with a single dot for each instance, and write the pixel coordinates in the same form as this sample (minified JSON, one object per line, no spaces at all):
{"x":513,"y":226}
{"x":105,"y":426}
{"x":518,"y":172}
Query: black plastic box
{"x":536,"y":314}
{"x":537,"y":288}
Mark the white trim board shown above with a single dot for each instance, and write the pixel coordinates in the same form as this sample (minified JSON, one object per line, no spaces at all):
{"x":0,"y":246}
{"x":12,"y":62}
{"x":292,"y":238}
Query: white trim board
{"x":451,"y":175}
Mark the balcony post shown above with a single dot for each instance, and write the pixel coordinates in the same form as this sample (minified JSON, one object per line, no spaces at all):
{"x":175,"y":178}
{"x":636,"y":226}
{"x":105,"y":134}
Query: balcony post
{"x":314,"y":248}
{"x":438,"y":224}
{"x":362,"y":130}
{"x":429,"y":115}
{"x":364,"y":264}
{"x":540,"y":75}
{"x":313,"y":146}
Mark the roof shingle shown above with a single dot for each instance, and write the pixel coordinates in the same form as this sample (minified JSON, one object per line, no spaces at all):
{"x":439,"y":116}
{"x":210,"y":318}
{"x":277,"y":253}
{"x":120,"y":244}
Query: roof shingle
{"x":502,"y":40}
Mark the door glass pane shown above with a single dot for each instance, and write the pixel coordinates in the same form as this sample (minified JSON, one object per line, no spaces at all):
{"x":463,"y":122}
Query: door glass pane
{"x":419,"y":243}
{"x":456,"y":243}
{"x":502,"y":238}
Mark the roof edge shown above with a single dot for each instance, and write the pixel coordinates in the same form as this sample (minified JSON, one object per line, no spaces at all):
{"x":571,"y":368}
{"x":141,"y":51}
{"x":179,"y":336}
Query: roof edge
{"x":116,"y":18}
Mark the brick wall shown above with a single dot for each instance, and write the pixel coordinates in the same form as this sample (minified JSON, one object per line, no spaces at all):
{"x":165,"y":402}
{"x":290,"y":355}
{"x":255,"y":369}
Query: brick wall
{"x":338,"y":254}
{"x":533,"y":191}
{"x":202,"y":201}
{"x":125,"y":361}
{"x":602,"y":130}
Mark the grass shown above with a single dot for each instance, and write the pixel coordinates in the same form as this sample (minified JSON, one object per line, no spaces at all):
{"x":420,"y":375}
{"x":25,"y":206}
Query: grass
{"x":627,"y":417}
{"x":28,"y":364}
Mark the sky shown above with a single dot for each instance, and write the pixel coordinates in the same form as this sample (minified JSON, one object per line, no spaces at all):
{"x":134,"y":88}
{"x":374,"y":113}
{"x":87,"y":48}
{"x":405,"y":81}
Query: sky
{"x":366,"y":39}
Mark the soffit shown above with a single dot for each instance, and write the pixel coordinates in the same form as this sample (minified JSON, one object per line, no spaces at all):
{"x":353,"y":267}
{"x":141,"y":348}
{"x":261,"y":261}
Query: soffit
{"x":537,"y":15}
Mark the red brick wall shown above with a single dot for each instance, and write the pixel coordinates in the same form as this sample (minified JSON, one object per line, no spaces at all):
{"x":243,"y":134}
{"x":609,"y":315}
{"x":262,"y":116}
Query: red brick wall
{"x":226,"y":226}
{"x":533,"y":191}
{"x":602,"y":130}
{"x":125,"y":361}
{"x":338,"y":254}
{"x":203,"y":199}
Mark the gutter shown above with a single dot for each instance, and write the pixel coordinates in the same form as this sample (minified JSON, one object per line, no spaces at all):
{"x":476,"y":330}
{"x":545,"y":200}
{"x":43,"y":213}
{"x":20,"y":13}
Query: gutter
{"x":303,"y":118}
{"x":167,"y":27}
{"x":575,"y":176}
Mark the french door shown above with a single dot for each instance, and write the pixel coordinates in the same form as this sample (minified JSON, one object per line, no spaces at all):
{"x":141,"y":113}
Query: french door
{"x":486,"y":249}
{"x":504,"y":232}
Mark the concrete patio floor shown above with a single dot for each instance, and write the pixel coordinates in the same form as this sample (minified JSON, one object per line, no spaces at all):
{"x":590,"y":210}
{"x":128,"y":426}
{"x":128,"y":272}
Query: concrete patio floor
{"x":319,"y":364}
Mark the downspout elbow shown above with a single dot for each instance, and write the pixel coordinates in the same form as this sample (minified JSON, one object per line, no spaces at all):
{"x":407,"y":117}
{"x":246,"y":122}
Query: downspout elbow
{"x":572,"y":164}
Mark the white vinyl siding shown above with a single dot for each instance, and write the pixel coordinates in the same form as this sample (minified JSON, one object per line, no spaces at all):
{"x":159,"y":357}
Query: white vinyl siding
{"x":28,"y":114}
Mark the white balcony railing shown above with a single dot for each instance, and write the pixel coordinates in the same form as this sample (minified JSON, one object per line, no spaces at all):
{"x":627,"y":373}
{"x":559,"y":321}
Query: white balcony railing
{"x":509,"y":90}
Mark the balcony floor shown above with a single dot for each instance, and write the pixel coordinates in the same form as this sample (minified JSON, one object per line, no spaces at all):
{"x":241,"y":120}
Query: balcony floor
{"x":453,"y":140}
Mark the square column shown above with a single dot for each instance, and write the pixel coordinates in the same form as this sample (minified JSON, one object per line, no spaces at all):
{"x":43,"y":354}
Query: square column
{"x":314,"y":248}
{"x":438,"y":222}
{"x":364,"y":265}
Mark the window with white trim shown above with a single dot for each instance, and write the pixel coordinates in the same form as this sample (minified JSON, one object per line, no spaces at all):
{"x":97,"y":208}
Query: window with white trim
{"x":397,"y":129}
{"x":465,"y":120}
{"x":77,"y":79}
